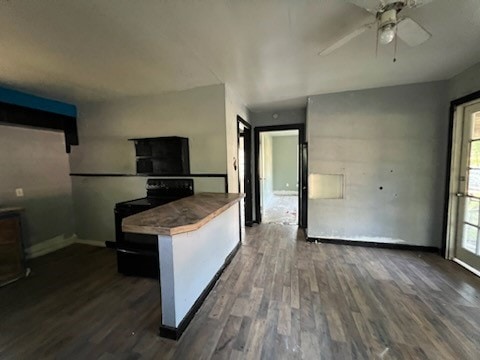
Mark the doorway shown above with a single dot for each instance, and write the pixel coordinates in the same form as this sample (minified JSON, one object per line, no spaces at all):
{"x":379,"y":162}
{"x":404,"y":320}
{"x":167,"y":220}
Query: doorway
{"x":463,"y":231}
{"x":244,"y":140}
{"x":279,"y":177}
{"x":280,"y":163}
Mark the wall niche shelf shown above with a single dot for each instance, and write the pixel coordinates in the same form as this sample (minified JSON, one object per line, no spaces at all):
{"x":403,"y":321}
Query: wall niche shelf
{"x":162,"y":155}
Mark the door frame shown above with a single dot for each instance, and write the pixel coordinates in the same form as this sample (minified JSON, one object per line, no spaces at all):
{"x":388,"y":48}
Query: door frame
{"x":302,"y":169}
{"x":455,"y":131}
{"x":247,"y":148}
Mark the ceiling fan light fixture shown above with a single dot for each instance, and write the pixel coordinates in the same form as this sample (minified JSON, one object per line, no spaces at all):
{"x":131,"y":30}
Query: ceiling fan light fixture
{"x":386,"y":34}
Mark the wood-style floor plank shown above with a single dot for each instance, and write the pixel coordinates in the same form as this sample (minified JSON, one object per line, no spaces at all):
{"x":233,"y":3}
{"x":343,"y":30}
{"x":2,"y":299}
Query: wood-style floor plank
{"x":280,"y":298}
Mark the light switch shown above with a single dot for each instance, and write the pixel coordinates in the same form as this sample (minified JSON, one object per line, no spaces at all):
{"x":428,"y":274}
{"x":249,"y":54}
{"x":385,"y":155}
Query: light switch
{"x":19,"y":192}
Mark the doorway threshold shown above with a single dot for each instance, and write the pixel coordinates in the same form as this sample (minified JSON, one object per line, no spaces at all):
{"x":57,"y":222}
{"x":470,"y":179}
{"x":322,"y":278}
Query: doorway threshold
{"x":466,"y":266}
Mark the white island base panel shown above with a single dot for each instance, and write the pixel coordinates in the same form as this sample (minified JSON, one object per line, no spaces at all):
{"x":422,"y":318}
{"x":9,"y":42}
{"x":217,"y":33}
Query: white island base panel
{"x":190,"y":261}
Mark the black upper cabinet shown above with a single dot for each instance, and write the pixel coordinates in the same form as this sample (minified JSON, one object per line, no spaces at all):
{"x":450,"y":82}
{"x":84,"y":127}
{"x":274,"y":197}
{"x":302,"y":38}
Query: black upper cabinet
{"x":162,"y":155}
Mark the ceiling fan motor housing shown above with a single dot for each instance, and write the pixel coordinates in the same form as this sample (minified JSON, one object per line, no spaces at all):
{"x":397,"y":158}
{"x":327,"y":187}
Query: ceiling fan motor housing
{"x":387,"y":22}
{"x":388,"y":17}
{"x":395,"y":4}
{"x":390,"y":23}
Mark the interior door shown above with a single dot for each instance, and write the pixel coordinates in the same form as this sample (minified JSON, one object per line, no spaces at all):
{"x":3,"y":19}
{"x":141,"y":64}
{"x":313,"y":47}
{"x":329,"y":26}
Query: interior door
{"x":261,"y":177}
{"x":303,"y":193}
{"x":467,"y":245}
{"x":248,"y":175}
{"x":244,"y":134}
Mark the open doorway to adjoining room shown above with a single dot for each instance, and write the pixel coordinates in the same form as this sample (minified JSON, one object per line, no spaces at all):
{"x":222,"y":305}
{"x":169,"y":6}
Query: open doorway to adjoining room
{"x":280,"y":181}
{"x":279,"y":176}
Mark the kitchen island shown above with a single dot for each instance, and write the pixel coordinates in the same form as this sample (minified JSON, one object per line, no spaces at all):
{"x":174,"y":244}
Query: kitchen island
{"x":197,"y":237}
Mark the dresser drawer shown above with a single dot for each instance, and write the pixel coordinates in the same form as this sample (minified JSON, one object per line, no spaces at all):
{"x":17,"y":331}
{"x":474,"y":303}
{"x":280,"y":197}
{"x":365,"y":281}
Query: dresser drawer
{"x":9,"y":230}
{"x":11,"y":262}
{"x":11,"y":251}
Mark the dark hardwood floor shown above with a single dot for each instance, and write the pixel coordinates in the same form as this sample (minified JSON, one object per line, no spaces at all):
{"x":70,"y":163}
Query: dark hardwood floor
{"x":280,"y":298}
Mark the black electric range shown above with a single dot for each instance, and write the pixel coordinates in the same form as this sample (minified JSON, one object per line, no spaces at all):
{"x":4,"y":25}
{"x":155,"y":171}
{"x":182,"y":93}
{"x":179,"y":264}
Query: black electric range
{"x":137,"y":254}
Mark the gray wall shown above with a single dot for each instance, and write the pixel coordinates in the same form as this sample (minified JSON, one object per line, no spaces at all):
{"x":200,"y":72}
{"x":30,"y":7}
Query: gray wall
{"x":285,"y":163}
{"x":390,"y":144}
{"x":95,"y":198}
{"x":36,"y":161}
{"x":233,"y":107}
{"x":465,"y":83}
{"x":104,"y":129}
{"x":284,"y":117}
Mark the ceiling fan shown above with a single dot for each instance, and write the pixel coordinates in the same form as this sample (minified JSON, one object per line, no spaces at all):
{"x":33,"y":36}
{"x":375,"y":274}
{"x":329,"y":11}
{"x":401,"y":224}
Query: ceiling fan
{"x":389,"y":23}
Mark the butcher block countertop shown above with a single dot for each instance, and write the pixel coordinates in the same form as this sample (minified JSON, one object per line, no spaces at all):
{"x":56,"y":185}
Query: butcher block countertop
{"x":8,"y":210}
{"x":180,"y":216}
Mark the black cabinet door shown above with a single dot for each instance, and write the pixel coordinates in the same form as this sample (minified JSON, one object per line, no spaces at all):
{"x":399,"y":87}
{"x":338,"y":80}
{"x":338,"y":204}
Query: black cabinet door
{"x":162,"y":156}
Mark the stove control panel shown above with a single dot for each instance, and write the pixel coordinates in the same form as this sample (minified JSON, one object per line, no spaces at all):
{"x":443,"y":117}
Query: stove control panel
{"x":170,"y":187}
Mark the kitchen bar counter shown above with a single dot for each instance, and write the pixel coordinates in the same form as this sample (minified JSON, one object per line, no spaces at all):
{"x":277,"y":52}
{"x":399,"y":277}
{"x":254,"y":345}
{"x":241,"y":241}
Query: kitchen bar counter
{"x":197,"y":237}
{"x":184,"y":215}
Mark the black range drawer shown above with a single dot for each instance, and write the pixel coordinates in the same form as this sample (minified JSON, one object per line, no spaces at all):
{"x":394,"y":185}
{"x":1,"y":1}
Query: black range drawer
{"x":132,"y":263}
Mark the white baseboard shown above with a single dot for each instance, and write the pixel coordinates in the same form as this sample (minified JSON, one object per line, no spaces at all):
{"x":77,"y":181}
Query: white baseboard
{"x":90,"y":242}
{"x":57,"y":243}
{"x":466,"y":266}
{"x":285,"y":192}
{"x":48,"y":246}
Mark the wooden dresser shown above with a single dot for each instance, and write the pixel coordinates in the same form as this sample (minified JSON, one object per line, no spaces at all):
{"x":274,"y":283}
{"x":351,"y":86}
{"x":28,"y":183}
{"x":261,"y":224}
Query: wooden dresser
{"x":12,"y":260}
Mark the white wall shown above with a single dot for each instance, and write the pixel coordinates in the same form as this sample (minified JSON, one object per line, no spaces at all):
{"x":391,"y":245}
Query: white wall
{"x":390,"y":144}
{"x":104,"y":129}
{"x":233,"y":106}
{"x":189,"y":261}
{"x":35,"y":160}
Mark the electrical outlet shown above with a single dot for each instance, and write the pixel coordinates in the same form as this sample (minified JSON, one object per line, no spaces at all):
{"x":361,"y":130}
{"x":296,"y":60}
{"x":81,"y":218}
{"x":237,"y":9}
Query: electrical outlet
{"x":19,"y":192}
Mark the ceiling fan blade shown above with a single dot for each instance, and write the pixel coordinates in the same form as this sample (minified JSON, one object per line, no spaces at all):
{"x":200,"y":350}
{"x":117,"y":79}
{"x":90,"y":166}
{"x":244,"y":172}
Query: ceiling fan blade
{"x":418,"y":3}
{"x":411,"y":32}
{"x":372,"y":6}
{"x":345,"y":39}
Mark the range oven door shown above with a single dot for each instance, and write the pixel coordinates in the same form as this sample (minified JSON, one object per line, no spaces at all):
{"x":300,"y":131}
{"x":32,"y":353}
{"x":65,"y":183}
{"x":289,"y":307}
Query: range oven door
{"x":137,"y":254}
{"x":134,"y":262}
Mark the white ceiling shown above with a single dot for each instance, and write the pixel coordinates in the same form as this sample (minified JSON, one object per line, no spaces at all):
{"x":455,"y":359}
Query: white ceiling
{"x":266,"y":50}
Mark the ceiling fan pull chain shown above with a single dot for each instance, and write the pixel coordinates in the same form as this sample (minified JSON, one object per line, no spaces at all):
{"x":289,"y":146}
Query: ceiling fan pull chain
{"x":395,"y":50}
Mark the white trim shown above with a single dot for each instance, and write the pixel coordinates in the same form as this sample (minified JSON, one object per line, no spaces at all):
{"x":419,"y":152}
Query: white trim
{"x":57,"y":243}
{"x":455,"y":204}
{"x":373,"y":239}
{"x":48,"y":246}
{"x":455,"y":165}
{"x":90,"y":242}
{"x":466,"y":266}
{"x":473,"y":102}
